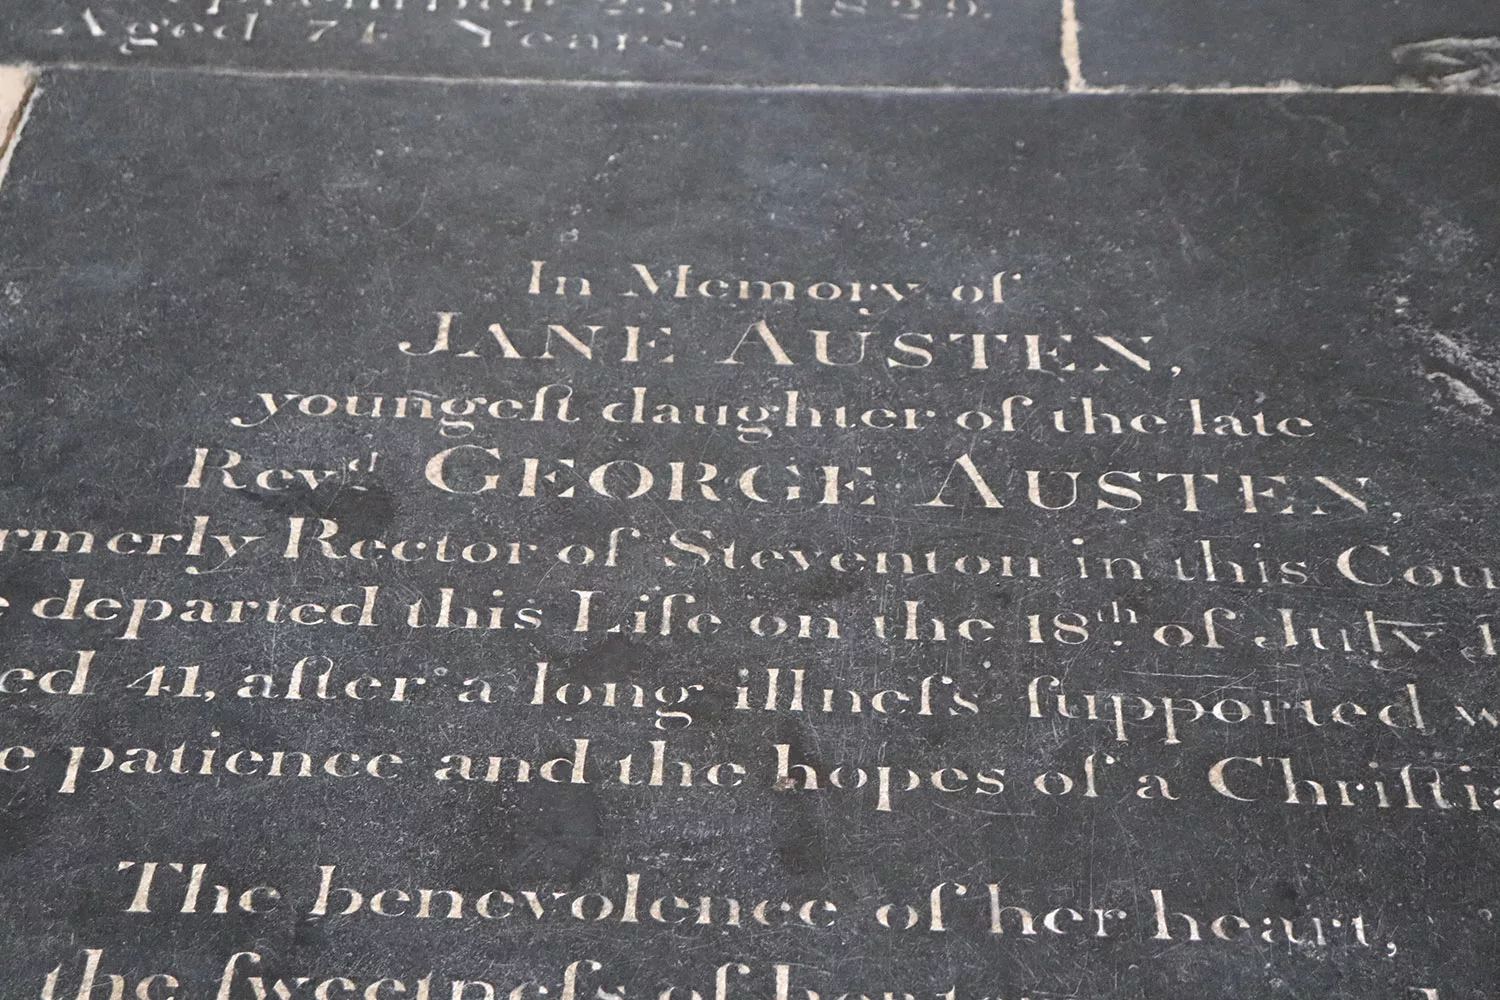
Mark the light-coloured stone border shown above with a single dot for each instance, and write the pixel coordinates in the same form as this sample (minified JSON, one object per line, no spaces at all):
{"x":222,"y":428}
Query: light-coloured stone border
{"x":17,"y":84}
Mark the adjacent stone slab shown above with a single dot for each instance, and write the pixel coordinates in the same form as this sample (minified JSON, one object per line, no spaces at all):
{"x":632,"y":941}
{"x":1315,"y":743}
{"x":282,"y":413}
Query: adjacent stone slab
{"x":1341,"y":43}
{"x":883,"y":42}
{"x":1240,"y":346}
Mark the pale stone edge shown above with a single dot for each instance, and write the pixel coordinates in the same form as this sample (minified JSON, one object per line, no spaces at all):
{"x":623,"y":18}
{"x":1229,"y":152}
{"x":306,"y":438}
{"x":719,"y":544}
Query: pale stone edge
{"x":17,"y":84}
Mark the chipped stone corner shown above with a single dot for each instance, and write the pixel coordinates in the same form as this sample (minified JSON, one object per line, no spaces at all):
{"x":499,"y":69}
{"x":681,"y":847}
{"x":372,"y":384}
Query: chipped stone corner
{"x":17,"y":87}
{"x":1452,"y":65}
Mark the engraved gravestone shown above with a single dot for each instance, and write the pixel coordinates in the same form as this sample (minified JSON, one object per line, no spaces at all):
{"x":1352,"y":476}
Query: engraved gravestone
{"x":975,"y":43}
{"x":467,"y":542}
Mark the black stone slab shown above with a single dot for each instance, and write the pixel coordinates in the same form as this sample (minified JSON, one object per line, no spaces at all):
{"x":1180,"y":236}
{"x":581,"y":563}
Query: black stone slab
{"x":1342,"y":43}
{"x":176,"y":244}
{"x":986,"y":43}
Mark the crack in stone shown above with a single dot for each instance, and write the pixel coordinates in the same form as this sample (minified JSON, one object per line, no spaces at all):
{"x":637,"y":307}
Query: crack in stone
{"x":1071,"y":58}
{"x":1085,"y":89}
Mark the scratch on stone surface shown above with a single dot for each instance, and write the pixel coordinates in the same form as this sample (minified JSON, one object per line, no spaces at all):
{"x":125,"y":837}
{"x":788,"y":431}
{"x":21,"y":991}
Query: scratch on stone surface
{"x":1451,"y":64}
{"x":1160,"y":673}
{"x":1072,"y":61}
{"x":17,"y":90}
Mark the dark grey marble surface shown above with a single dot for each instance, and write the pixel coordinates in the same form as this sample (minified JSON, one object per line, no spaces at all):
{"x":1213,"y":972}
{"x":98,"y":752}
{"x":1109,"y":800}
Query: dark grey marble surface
{"x":1341,"y":43}
{"x":175,"y":244}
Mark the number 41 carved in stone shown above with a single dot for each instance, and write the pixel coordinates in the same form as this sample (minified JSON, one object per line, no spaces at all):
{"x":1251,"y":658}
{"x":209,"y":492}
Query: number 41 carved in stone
{"x":155,"y":682}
